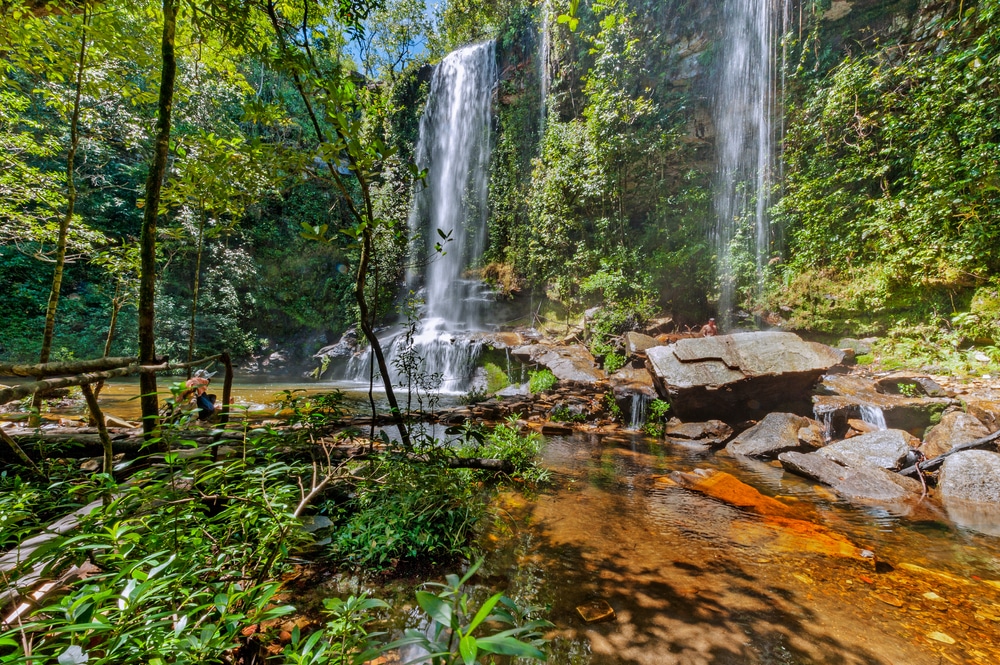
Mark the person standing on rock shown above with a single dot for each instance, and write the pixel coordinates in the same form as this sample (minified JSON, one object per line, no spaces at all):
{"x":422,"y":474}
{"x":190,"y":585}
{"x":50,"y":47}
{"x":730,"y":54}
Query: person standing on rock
{"x":709,"y":329}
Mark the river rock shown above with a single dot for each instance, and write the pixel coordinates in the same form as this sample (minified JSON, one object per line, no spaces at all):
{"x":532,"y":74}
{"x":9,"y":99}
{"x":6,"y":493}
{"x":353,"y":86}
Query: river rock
{"x":856,"y":483}
{"x":710,"y":433}
{"x":776,"y":433}
{"x":504,"y":340}
{"x":567,"y":363}
{"x":885,"y":449}
{"x":986,"y":411}
{"x":901,"y":383}
{"x":346,"y":347}
{"x":740,"y":376}
{"x":860,"y":347}
{"x":630,"y":381}
{"x":971,"y":475}
{"x":638,"y":343}
{"x":955,"y":428}
{"x":660,"y":326}
{"x":841,"y":397}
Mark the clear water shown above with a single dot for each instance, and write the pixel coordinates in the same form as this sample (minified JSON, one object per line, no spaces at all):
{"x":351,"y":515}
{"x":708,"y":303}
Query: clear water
{"x":693,"y":580}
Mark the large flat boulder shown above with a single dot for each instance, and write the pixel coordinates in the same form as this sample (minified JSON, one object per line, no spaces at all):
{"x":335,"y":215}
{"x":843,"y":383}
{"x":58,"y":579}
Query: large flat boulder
{"x":867,"y":484}
{"x":776,"y":433}
{"x":885,"y":449}
{"x":568,"y":363}
{"x":740,"y":376}
{"x":711,"y":433}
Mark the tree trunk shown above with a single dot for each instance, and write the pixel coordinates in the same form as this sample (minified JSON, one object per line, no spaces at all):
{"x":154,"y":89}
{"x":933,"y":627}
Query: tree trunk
{"x":57,"y":275}
{"x":154,"y":183}
{"x":64,"y":369}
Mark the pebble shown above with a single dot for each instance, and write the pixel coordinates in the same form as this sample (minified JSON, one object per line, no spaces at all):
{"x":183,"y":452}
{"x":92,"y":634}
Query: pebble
{"x":930,"y":595}
{"x":889,"y":600}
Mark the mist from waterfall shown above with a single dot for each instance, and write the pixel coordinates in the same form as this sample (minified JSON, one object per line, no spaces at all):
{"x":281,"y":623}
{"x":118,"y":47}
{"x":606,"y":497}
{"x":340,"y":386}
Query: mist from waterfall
{"x":449,"y":210}
{"x":747,"y":124}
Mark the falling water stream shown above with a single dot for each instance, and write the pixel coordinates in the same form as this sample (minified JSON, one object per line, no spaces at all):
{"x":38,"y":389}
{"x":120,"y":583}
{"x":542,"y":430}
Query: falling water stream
{"x":746,"y":115}
{"x":448,"y":221}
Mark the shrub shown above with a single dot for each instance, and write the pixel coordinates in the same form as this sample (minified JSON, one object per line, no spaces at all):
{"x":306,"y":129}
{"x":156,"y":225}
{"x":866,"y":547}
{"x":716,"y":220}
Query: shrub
{"x":542,"y":380}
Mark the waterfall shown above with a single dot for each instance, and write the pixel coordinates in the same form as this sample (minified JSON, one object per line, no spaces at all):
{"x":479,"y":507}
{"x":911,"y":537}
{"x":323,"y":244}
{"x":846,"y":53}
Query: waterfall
{"x":873,"y":415}
{"x":450,"y":211}
{"x":544,"y":45}
{"x":640,"y":410}
{"x":745,"y":113}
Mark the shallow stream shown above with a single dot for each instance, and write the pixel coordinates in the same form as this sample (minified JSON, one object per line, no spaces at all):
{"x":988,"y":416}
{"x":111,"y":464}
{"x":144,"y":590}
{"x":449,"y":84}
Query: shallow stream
{"x":694,"y":580}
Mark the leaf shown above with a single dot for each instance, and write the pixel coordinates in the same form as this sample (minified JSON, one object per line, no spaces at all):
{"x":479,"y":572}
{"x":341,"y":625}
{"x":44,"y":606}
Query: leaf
{"x":484,"y":611}
{"x":467,"y":647}
{"x":508,"y":646}
{"x":435,"y":607}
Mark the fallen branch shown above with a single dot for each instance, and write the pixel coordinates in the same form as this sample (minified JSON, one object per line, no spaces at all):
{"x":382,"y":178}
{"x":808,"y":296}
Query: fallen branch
{"x":66,"y":368}
{"x":935,"y":462}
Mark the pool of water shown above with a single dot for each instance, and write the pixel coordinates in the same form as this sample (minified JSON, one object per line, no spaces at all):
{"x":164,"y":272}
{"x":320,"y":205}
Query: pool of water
{"x":694,"y":580}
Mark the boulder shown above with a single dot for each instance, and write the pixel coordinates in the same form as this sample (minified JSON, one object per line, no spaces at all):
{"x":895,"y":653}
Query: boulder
{"x":711,"y":433}
{"x":861,"y":347}
{"x":986,"y":411}
{"x":630,"y":381}
{"x":955,"y":428}
{"x":886,"y":449}
{"x":840,"y":398}
{"x":568,"y":363}
{"x":740,"y":376}
{"x":638,"y":343}
{"x":776,"y":433}
{"x":504,"y":340}
{"x":660,"y":326}
{"x":971,"y":475}
{"x":345,"y":348}
{"x":861,"y":484}
{"x":910,"y":384}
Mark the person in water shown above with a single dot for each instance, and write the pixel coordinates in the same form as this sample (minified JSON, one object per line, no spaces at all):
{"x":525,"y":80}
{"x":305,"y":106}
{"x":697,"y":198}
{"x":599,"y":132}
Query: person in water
{"x":198,"y":384}
{"x":709,"y":329}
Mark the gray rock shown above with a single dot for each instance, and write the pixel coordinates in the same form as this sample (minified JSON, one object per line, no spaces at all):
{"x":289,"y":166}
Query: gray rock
{"x":568,"y":363}
{"x":986,"y":411}
{"x":713,"y":432}
{"x":776,"y":433}
{"x":660,"y":326}
{"x":738,"y":376}
{"x":971,"y":475}
{"x":901,"y":383}
{"x":514,"y":390}
{"x":630,"y":381}
{"x":860,"y":347}
{"x":886,"y":449}
{"x":867,"y":484}
{"x":638,"y":343}
{"x":955,"y":428}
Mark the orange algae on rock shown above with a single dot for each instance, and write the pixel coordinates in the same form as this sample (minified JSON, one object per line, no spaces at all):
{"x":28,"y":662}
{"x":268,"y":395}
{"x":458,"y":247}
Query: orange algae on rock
{"x":782,"y":526}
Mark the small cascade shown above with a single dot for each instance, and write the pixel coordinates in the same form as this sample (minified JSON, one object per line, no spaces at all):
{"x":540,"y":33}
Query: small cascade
{"x":640,"y":411}
{"x":873,"y":415}
{"x":825,"y":419}
{"x":454,"y":146}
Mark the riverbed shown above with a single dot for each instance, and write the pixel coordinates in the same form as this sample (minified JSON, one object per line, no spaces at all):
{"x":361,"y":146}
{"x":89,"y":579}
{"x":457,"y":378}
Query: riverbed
{"x":694,"y":580}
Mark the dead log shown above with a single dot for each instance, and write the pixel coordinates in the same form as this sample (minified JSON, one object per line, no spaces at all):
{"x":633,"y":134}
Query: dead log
{"x":935,"y":462}
{"x":66,"y":368}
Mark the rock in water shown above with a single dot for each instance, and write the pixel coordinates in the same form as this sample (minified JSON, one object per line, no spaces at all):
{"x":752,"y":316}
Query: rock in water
{"x":735,"y":377}
{"x":868,"y":484}
{"x":885,"y":449}
{"x":776,"y":433}
{"x":971,"y":475}
{"x":955,"y":428}
{"x":710,"y":433}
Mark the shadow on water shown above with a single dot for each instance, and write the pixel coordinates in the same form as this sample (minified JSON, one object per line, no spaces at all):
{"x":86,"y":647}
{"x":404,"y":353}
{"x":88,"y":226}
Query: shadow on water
{"x":693,"y":580}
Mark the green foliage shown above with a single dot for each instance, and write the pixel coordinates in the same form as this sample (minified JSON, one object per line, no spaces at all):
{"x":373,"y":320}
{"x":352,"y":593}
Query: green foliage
{"x":413,"y":510}
{"x":344,"y":640}
{"x":564,"y":414}
{"x":496,"y":378}
{"x":505,"y":441}
{"x":541,"y":380}
{"x":657,"y":417}
{"x":457,"y":624}
{"x":613,"y":361}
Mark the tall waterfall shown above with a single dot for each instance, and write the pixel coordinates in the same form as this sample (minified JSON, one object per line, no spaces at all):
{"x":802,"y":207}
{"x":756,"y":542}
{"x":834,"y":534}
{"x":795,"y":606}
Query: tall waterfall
{"x":746,"y":110}
{"x":449,"y":210}
{"x":544,"y":74}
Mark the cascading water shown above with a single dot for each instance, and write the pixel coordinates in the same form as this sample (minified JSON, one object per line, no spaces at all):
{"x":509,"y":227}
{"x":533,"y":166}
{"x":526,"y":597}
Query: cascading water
{"x":873,"y":415}
{"x":454,"y":146}
{"x":640,"y":411}
{"x":745,"y":115}
{"x":544,"y":45}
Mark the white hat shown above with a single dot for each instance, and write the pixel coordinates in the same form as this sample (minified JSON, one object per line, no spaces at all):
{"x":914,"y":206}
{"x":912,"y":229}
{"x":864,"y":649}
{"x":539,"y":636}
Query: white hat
{"x":204,"y":374}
